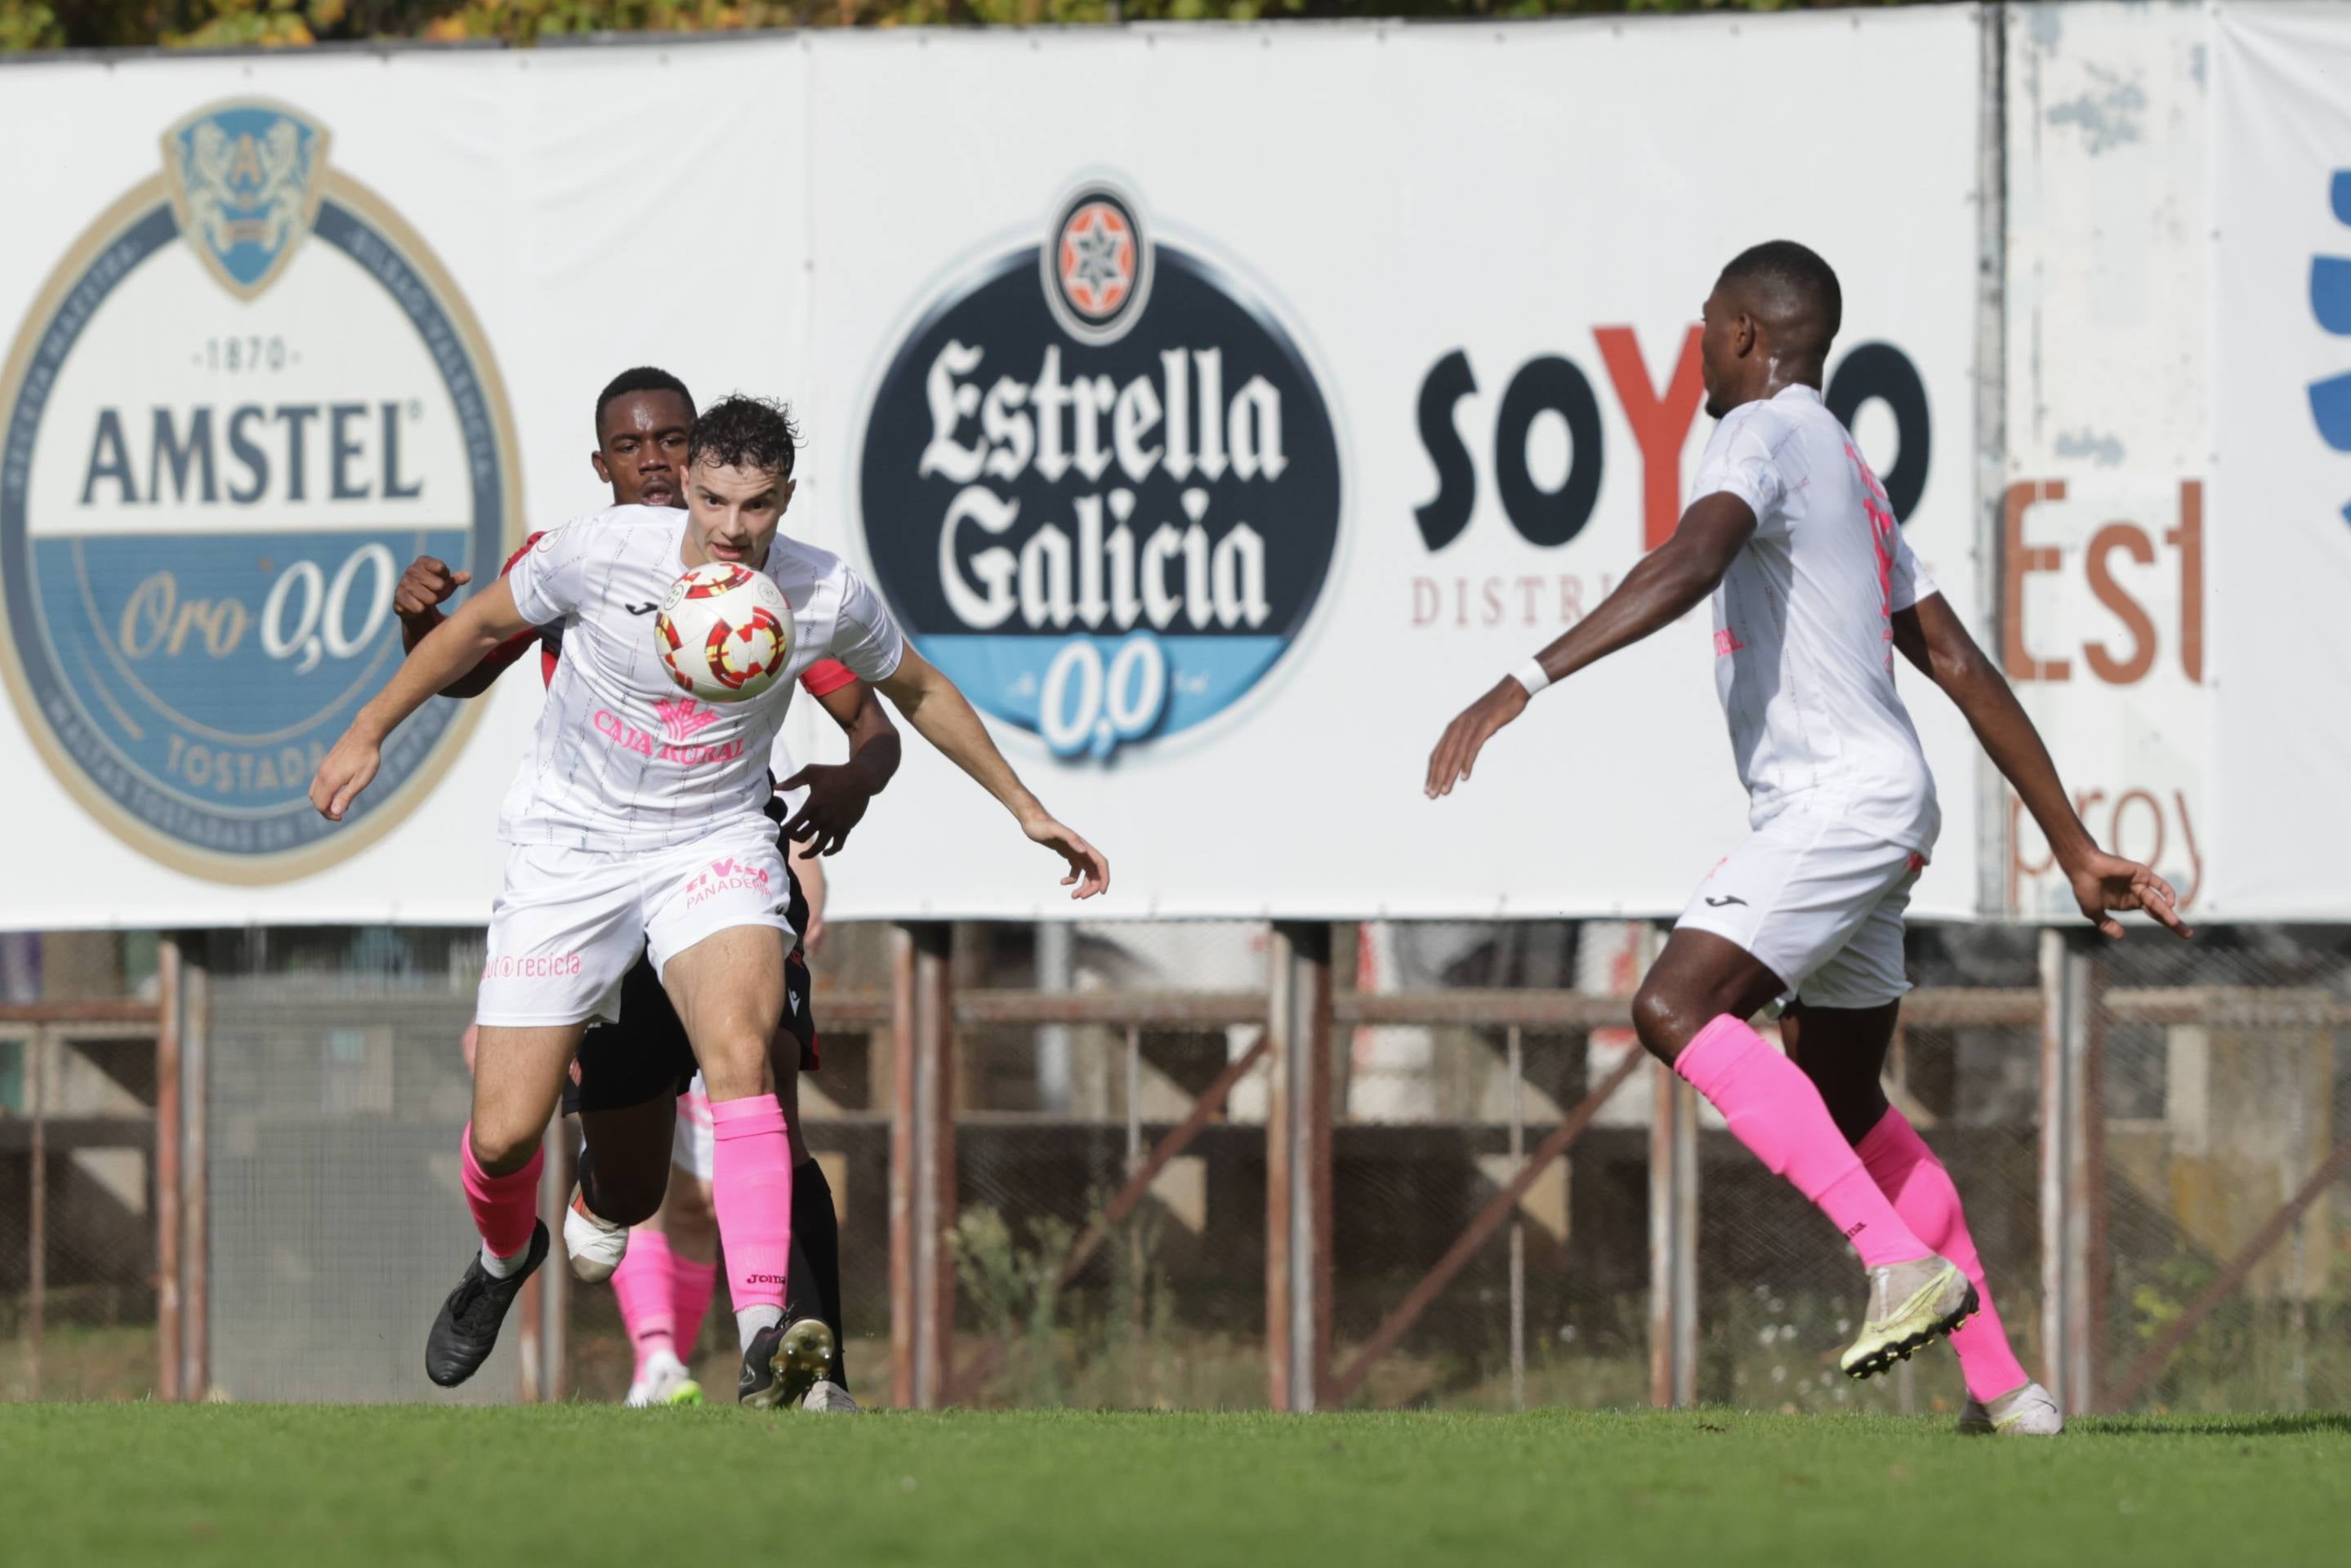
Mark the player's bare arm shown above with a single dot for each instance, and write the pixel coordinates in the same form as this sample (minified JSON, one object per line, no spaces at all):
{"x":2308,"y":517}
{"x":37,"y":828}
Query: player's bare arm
{"x":462,"y":641}
{"x":941,"y":715}
{"x":423,"y":589}
{"x":1665,"y":586}
{"x":838,"y":794}
{"x":1931,"y":637}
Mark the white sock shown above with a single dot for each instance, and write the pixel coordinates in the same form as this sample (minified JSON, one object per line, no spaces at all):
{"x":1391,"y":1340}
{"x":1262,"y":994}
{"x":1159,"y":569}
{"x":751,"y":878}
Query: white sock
{"x":750,"y":1320}
{"x":499,"y":1268}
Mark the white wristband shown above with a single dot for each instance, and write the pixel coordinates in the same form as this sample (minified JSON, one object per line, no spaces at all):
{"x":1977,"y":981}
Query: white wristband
{"x":1530,"y":676}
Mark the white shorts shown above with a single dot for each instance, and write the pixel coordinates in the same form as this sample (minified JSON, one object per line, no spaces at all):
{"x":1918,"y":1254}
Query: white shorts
{"x":692,"y":1148}
{"x":1819,"y":904}
{"x":569,"y":923}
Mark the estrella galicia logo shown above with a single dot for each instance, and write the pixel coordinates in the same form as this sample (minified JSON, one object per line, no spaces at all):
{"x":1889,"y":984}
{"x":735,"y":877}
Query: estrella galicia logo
{"x":1100,"y":482}
{"x":246,"y":396}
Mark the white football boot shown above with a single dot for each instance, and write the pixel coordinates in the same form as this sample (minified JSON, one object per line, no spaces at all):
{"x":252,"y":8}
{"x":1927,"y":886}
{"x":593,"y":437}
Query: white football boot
{"x":2027,"y":1412}
{"x":596,"y":1248}
{"x":828,"y":1396}
{"x":667,"y":1382}
{"x":1910,"y":1304}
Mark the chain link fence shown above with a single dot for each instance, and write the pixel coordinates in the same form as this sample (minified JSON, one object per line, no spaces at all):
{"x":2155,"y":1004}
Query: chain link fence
{"x":2226,"y":1103}
{"x":1109,"y":1232}
{"x":78,"y":1318}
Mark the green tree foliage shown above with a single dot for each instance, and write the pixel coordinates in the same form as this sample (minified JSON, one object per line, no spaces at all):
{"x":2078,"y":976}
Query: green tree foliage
{"x":31,"y":25}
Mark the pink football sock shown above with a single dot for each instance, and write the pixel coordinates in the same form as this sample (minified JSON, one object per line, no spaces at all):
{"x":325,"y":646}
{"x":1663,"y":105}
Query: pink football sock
{"x":751,"y":1188}
{"x":642,"y":1286}
{"x":690,"y":1284}
{"x":504,"y":1206}
{"x":1776,"y":1112}
{"x":1907,"y":1171}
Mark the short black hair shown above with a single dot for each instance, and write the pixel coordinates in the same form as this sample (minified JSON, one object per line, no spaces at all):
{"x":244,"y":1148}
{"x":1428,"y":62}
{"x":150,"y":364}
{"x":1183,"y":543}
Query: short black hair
{"x":643,"y":378}
{"x":741,"y":431}
{"x":1796,"y":288}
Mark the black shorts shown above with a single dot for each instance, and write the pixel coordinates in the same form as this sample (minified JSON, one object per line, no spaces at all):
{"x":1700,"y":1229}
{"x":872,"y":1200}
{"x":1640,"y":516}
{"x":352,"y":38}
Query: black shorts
{"x":646,"y":1055}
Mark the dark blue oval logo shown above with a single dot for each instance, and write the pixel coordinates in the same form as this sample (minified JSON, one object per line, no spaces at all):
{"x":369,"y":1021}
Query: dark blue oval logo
{"x":1100,"y":484}
{"x":246,"y":398}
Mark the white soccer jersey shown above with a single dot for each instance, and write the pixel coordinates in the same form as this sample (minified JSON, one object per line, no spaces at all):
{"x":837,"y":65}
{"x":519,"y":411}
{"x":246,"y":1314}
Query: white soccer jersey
{"x":1803,"y":635}
{"x":624,"y":761}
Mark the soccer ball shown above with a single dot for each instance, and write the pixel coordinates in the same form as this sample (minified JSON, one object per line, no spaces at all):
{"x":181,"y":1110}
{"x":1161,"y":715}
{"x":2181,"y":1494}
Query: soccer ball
{"x":724,"y":632}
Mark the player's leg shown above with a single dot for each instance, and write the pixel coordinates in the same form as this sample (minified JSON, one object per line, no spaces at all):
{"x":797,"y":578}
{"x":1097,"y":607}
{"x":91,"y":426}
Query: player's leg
{"x":564,"y":930}
{"x":717,"y":928}
{"x":1785,"y":901}
{"x":1839,"y":1032}
{"x":723,"y":985}
{"x":625,"y":1086}
{"x":664,"y":1287}
{"x":812,"y":1292}
{"x":517,"y":1075}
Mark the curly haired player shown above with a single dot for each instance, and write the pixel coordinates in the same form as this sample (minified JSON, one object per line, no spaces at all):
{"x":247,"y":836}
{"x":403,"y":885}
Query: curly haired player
{"x":616,"y":848}
{"x":640,"y":1215}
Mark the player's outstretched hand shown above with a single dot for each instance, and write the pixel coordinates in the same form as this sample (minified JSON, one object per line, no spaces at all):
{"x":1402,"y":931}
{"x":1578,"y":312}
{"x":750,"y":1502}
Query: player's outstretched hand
{"x":2105,"y":882}
{"x":424,"y":587}
{"x":836,"y":803}
{"x":1464,"y":738}
{"x":344,"y":772}
{"x":1089,"y":867}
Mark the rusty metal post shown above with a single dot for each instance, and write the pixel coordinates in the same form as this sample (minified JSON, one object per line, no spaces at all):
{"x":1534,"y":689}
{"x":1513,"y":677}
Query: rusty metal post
{"x":1297,"y":1168}
{"x":555,"y":1180}
{"x":527,"y":1345}
{"x":1673,"y":1241}
{"x":2072,"y":1168}
{"x":36,"y":1276}
{"x":1136,"y":1152}
{"x":1516,"y":1046}
{"x":195,"y":1245}
{"x":539,"y":1311}
{"x":165,"y":1168}
{"x":922,"y":1166}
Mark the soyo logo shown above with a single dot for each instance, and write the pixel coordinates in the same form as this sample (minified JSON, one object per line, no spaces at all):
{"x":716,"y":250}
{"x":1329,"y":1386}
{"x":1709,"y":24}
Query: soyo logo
{"x":1099,"y":482}
{"x":246,"y":395}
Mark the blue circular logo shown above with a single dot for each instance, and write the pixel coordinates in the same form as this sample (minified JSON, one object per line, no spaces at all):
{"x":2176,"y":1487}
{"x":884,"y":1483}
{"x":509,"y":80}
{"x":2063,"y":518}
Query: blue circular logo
{"x":1100,"y":484}
{"x":247,"y":396}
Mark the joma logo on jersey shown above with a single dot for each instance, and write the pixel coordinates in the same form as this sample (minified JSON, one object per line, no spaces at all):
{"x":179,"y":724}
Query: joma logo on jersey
{"x":246,"y":395}
{"x":1100,"y":482}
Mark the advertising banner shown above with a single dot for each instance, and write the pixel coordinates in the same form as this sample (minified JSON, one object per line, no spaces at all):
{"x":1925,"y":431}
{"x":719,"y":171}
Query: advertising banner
{"x":2105,"y":511}
{"x":1223,"y":408}
{"x":1224,"y":450}
{"x":2282,"y":474}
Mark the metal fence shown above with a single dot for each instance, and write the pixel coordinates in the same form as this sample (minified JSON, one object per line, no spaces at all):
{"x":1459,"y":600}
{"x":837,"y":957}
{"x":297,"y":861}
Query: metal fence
{"x":1224,"y":1163}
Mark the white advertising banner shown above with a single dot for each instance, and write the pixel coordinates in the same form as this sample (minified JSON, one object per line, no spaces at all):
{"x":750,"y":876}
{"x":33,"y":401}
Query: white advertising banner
{"x":2102,"y":599}
{"x":1226,"y":440}
{"x":1222,"y":408}
{"x":2282,"y":476}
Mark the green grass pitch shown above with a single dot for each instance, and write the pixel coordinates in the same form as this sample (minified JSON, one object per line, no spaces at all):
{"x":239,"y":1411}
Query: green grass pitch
{"x":585,"y":1485}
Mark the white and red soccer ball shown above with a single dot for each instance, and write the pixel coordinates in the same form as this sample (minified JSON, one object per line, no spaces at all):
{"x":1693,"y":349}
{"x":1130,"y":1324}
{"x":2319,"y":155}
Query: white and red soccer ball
{"x":724,"y":632}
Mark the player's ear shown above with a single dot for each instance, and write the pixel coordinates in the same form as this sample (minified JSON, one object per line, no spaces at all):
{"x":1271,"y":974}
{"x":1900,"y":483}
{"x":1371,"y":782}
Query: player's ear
{"x":602,"y":473}
{"x":784,"y":503}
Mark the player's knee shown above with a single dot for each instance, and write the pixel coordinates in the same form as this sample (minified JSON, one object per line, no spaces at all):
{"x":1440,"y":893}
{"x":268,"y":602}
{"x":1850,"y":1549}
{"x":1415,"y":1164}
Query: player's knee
{"x":735,"y":1067}
{"x":692,"y":1227}
{"x":502,"y":1150}
{"x":627,"y":1201}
